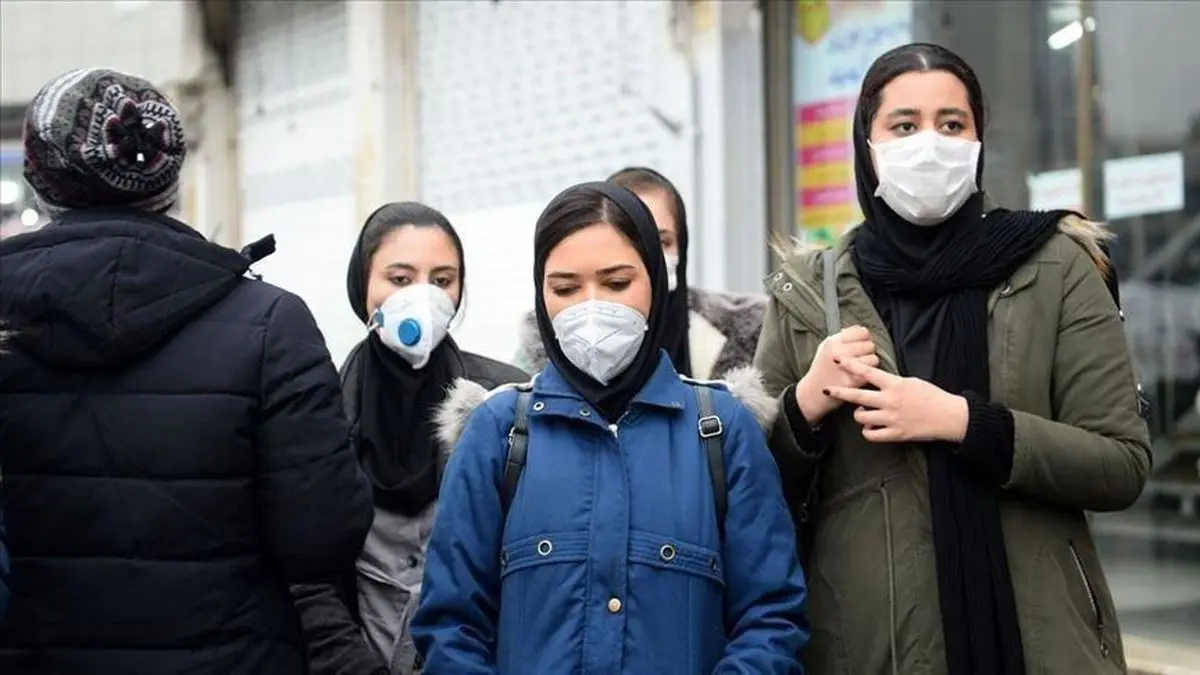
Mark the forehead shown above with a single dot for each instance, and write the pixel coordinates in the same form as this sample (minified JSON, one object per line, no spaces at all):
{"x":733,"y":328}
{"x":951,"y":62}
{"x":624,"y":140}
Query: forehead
{"x":923,"y":90}
{"x":593,"y":247}
{"x":415,"y":245}
{"x":659,"y":203}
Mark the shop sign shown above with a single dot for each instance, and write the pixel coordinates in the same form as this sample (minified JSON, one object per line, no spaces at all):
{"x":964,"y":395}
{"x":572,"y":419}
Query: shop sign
{"x":1139,"y":186}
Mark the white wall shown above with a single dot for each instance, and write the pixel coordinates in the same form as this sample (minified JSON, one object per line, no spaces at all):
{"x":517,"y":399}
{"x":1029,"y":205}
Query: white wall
{"x":520,"y":100}
{"x":297,"y":148}
{"x":42,"y":38}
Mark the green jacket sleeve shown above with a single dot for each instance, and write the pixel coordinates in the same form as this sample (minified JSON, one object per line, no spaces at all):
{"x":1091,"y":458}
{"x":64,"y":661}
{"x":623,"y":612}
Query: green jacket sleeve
{"x":1095,"y":454}
{"x":782,"y":356}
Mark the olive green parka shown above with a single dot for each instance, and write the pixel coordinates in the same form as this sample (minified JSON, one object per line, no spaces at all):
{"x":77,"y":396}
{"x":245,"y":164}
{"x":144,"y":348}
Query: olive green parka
{"x":1059,"y":361}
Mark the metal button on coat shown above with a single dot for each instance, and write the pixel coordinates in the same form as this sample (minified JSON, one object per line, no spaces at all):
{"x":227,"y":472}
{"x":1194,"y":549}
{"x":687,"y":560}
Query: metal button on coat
{"x":614,"y":605}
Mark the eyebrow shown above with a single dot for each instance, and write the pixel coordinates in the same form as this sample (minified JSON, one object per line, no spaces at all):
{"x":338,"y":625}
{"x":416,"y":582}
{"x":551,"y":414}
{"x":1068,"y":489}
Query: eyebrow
{"x":405,"y":267}
{"x":913,"y":112}
{"x":607,"y":271}
{"x":614,"y":269}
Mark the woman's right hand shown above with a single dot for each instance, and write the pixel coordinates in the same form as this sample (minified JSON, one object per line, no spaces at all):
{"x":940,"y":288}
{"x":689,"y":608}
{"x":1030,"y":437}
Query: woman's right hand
{"x":853,"y":342}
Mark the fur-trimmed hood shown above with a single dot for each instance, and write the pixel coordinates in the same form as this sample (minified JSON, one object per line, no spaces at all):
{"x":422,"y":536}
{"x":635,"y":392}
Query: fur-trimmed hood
{"x":745,"y":384}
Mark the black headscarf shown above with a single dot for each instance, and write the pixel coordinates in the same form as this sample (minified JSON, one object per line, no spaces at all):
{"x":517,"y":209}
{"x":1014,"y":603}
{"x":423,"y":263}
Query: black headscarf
{"x":572,"y":210}
{"x":930,"y":286}
{"x":676,"y":340}
{"x":395,"y":433}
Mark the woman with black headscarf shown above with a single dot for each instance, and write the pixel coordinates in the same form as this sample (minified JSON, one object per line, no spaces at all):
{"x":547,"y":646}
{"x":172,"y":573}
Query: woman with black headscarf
{"x":611,"y":549}
{"x":991,"y":403}
{"x":405,"y":281}
{"x":709,"y":333}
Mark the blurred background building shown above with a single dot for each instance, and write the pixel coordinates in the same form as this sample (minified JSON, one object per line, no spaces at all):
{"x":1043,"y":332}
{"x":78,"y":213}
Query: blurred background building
{"x":305,"y":116}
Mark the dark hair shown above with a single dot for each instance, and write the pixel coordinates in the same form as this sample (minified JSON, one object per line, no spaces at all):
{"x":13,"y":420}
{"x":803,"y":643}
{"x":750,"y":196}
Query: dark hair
{"x":917,"y":57}
{"x":575,"y":209}
{"x":643,"y":179}
{"x":395,"y":215}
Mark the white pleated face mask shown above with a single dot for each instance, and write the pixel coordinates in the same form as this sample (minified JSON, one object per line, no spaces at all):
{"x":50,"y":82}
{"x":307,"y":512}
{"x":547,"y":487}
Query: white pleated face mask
{"x":413,"y":321}
{"x":672,"y":271}
{"x":600,"y":338}
{"x":927,"y":177}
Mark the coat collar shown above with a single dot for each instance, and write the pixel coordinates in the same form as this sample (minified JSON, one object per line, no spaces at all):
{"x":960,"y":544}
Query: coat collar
{"x":663,"y":390}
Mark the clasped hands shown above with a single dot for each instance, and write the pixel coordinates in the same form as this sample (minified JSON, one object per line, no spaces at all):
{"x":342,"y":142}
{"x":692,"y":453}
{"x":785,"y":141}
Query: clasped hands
{"x":890,"y":408}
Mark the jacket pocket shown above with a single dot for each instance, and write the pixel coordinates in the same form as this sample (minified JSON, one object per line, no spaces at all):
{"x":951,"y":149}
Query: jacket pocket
{"x":543,"y":588}
{"x":543,"y":549}
{"x":1093,"y":600}
{"x":666,"y":553}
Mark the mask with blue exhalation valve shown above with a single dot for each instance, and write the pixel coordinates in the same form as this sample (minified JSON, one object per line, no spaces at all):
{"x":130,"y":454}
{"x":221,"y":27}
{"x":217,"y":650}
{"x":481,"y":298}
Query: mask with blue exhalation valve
{"x":413,"y":321}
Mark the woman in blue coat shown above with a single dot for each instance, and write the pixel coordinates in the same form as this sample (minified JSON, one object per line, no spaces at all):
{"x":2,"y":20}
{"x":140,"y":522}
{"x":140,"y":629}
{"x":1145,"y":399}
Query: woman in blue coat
{"x":617,"y":548}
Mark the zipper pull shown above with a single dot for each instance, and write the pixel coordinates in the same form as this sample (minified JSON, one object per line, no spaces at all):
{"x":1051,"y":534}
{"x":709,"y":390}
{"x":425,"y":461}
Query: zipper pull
{"x":615,"y":432}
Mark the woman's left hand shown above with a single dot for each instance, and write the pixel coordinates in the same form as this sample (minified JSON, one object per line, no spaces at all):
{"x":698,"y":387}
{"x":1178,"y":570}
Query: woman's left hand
{"x":903,"y":408}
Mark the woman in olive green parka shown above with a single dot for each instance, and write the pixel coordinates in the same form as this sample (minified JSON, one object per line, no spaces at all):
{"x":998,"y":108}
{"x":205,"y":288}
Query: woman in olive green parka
{"x":976,"y":398}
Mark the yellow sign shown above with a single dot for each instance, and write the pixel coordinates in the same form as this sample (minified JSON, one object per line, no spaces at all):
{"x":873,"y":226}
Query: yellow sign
{"x":812,"y":20}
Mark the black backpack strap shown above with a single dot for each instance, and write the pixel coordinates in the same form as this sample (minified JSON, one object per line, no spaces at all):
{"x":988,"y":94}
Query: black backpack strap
{"x":518,"y":447}
{"x":833,"y":313}
{"x":711,"y":431}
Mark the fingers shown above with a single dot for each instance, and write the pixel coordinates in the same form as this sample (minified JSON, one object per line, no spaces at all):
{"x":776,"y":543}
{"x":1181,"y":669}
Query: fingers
{"x":863,"y":397}
{"x":871,"y":418}
{"x":881,"y":434}
{"x":869,"y":374}
{"x":854,"y":334}
{"x":870,"y":360}
{"x":854,"y":349}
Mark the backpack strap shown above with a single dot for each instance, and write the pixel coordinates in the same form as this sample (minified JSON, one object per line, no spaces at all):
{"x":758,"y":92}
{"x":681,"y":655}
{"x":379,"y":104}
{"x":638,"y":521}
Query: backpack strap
{"x":518,"y":448}
{"x":711,"y":430}
{"x":710,"y":427}
{"x":833,"y":313}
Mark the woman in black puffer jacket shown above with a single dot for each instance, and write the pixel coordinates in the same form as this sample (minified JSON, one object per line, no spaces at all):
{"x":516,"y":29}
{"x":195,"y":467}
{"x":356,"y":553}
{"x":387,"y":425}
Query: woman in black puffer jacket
{"x":174,"y":447}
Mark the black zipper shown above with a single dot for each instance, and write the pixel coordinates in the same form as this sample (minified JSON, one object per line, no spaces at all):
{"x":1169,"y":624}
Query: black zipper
{"x":1091,"y":593}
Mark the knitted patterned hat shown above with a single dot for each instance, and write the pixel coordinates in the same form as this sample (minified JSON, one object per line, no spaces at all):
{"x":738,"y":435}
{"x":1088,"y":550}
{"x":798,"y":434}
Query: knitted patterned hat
{"x":96,"y":137}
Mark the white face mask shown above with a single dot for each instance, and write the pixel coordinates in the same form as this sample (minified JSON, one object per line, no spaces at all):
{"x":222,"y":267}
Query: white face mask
{"x":600,"y":338}
{"x":413,"y":321}
{"x":926,"y":177}
{"x":672,"y":271}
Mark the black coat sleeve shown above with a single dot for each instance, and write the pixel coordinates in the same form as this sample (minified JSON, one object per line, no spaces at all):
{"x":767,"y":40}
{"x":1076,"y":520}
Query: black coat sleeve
{"x":314,"y":502}
{"x":336,"y":645}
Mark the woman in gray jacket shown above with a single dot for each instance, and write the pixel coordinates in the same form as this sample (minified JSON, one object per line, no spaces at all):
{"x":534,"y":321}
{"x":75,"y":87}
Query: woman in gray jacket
{"x":405,"y":282}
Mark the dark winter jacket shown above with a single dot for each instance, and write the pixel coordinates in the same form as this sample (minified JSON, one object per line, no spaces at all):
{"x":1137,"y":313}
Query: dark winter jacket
{"x":722,"y":333}
{"x":330,"y":612}
{"x":174,"y":451}
{"x":3,"y":567}
{"x":3,"y":538}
